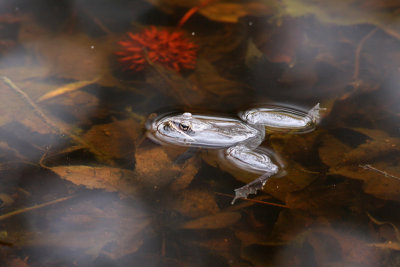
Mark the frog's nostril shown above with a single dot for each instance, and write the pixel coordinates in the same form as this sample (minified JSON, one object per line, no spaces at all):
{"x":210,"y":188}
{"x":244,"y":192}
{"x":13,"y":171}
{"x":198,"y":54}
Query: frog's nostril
{"x":166,"y":127}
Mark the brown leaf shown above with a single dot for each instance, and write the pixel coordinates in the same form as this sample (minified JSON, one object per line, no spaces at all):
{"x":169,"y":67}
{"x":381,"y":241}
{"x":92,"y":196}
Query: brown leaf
{"x":217,"y":221}
{"x":14,"y":108}
{"x":189,"y":171}
{"x":280,"y":40}
{"x":171,"y":83}
{"x":196,"y":203}
{"x":155,"y":168}
{"x":66,"y":89}
{"x":109,"y":179}
{"x":114,"y":228}
{"x":71,"y":57}
{"x":332,"y":151}
{"x":374,"y":183}
{"x":344,"y":13}
{"x":326,"y":200}
{"x":350,"y":247}
{"x":231,"y":12}
{"x":381,"y":144}
{"x":17,"y":263}
{"x":117,"y":139}
{"x":211,"y":83}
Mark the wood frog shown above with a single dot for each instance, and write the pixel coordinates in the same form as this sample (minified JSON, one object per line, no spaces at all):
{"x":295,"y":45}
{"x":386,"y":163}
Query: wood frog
{"x":239,"y":138}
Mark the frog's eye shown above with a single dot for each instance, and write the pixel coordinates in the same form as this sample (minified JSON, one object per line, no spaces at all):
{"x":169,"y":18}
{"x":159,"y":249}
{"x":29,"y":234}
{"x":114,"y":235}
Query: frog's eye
{"x":183,"y":127}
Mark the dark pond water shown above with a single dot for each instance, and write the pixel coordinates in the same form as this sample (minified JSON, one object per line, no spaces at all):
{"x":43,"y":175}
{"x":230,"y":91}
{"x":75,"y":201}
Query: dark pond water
{"x":82,"y":184}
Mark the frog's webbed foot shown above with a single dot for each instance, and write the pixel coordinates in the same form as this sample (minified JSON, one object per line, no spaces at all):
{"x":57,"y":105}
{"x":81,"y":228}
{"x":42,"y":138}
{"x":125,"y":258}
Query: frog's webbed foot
{"x":314,"y":113}
{"x":252,"y":187}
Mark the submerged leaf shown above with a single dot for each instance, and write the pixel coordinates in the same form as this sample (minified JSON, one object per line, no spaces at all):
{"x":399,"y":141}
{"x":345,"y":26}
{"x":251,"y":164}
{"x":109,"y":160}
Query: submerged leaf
{"x":377,"y":149}
{"x":376,"y":184}
{"x":196,"y":203}
{"x":232,"y":12}
{"x":217,"y":221}
{"x":66,"y":89}
{"x":107,"y":178}
{"x":15,"y":108}
{"x":349,"y":12}
{"x":117,"y":139}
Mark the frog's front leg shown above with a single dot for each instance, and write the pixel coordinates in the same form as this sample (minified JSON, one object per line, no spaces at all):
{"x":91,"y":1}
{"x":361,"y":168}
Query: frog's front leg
{"x":252,"y":160}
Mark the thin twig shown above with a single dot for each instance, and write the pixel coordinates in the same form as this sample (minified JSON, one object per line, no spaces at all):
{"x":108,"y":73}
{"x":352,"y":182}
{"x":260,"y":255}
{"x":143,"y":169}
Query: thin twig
{"x":369,"y":167}
{"x":358,"y":53}
{"x":23,"y":210}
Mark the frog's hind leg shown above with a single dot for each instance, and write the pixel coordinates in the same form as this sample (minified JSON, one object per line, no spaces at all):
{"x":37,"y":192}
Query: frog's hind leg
{"x":252,"y":187}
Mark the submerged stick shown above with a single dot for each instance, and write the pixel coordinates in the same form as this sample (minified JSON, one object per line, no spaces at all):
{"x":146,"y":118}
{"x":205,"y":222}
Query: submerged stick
{"x":369,"y":167}
{"x":23,"y":210}
{"x":358,"y":52}
{"x":58,"y":129}
{"x":256,"y":201}
{"x":28,"y":100}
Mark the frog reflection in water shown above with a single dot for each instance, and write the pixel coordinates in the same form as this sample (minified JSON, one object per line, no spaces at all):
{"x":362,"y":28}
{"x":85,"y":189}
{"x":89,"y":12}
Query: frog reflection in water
{"x":239,"y":138}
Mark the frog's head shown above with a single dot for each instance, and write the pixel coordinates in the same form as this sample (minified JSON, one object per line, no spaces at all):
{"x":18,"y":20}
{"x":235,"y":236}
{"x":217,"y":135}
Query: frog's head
{"x":178,"y":127}
{"x":174,"y":129}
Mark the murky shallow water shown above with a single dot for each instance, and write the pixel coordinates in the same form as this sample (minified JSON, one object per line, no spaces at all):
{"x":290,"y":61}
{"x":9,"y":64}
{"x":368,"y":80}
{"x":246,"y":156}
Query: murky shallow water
{"x":81,"y":184}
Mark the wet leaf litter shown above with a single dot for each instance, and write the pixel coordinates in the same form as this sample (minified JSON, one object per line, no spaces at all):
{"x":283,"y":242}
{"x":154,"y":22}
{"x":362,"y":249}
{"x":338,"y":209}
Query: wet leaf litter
{"x":82,"y":185}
